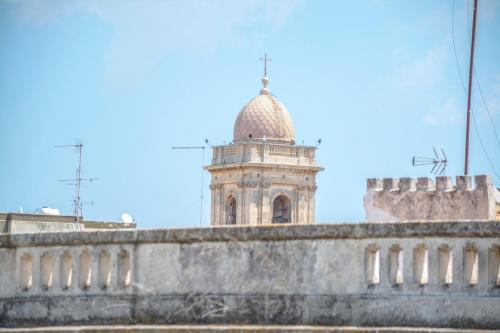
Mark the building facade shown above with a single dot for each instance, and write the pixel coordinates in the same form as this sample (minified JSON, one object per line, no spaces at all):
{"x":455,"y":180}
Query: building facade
{"x":263,"y":177}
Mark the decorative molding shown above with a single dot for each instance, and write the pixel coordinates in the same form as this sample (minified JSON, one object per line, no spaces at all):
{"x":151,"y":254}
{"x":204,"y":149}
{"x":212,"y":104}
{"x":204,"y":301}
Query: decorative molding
{"x":297,"y":169}
{"x":301,"y":187}
{"x":214,"y":187}
{"x":312,"y":188}
{"x":247,"y":184}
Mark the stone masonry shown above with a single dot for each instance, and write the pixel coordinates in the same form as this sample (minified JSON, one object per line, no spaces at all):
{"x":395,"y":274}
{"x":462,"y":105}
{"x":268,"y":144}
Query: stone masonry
{"x":422,"y":199}
{"x":253,"y":175}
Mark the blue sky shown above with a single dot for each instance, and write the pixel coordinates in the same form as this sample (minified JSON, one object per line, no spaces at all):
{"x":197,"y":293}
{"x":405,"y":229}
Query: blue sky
{"x":376,"y":80}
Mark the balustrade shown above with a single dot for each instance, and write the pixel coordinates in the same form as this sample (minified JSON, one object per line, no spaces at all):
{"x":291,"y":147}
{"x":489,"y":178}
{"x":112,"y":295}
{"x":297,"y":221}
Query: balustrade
{"x":108,"y":271}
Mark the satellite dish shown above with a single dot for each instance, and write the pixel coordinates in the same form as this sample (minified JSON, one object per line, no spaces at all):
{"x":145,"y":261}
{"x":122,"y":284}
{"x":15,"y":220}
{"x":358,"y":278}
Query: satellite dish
{"x":127,"y":218}
{"x":47,"y":211}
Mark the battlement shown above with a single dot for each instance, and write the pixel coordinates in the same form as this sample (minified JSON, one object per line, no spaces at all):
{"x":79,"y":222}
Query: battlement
{"x":426,"y":199}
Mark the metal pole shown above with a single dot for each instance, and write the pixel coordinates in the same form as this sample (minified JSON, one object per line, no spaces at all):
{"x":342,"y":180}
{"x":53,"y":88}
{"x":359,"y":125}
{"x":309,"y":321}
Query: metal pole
{"x":469,"y":96}
{"x":201,"y":190}
{"x":202,"y":176}
{"x":78,"y":180}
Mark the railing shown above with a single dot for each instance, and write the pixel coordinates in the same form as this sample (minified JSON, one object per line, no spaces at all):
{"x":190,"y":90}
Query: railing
{"x":75,"y":270}
{"x":421,"y":268}
{"x":263,"y":153}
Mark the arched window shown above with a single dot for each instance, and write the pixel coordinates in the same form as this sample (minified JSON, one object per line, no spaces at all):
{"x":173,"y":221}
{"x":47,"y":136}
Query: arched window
{"x":282,"y":210}
{"x":231,"y":210}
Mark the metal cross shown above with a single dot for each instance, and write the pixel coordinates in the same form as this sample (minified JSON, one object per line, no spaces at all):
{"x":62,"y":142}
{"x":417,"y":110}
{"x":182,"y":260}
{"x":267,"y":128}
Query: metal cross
{"x":265,"y":60}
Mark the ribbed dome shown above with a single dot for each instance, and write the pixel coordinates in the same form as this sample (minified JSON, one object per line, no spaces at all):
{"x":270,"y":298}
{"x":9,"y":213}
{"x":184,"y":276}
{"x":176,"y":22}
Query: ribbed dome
{"x":264,"y":117}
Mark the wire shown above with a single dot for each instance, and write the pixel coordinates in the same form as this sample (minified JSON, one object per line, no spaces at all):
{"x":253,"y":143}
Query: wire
{"x":454,"y":46}
{"x":487,"y":109}
{"x":482,"y":146}
{"x":463,"y":84}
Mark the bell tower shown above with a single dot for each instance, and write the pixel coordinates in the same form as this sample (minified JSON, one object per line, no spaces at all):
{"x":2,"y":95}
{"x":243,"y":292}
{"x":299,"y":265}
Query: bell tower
{"x":263,"y":177}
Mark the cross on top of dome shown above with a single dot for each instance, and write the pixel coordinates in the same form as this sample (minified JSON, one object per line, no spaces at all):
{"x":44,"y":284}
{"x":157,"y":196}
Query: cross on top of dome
{"x":265,"y":60}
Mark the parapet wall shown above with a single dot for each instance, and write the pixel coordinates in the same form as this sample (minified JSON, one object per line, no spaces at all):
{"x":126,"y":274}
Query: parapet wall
{"x":422,"y":199}
{"x":29,"y":223}
{"x":413,"y":274}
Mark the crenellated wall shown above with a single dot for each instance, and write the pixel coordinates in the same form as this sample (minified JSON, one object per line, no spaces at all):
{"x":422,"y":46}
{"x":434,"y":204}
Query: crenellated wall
{"x":422,"y":199}
{"x":414,"y":274}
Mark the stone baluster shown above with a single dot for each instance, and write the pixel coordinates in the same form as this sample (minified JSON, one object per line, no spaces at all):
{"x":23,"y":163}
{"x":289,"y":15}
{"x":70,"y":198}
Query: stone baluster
{"x":373,"y":264}
{"x":46,"y":268}
{"x":396,"y":264}
{"x":26,"y":271}
{"x":421,"y":263}
{"x":124,"y":272}
{"x":85,"y":269}
{"x":445,"y":263}
{"x":66,"y":270}
{"x":471,"y":263}
{"x":104,"y":269}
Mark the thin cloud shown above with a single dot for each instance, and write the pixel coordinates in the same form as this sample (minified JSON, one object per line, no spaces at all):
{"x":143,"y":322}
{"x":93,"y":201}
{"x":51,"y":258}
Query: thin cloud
{"x":447,"y":113}
{"x":146,"y":32}
{"x":425,"y":72}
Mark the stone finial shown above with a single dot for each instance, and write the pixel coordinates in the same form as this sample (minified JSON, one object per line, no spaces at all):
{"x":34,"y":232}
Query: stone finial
{"x":425,"y":184}
{"x":407,"y":184}
{"x":464,"y":183}
{"x":444,"y":183}
{"x":390,"y":184}
{"x":374,"y":184}
{"x":265,"y":81}
{"x":483,"y":181}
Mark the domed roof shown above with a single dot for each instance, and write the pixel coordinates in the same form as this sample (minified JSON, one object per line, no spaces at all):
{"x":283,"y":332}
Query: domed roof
{"x":264,"y":117}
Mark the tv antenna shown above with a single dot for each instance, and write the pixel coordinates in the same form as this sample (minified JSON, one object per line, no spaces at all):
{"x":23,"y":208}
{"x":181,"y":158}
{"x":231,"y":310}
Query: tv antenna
{"x":77,"y":200}
{"x":202,"y":148}
{"x":439,"y":162}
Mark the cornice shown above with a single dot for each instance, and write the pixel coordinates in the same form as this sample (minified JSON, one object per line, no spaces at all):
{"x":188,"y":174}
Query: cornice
{"x":266,"y":166}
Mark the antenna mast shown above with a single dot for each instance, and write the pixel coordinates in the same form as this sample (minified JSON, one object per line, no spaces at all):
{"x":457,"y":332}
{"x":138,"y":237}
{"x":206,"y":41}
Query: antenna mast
{"x":77,"y":200}
{"x":439,"y":162}
{"x":469,"y":95}
{"x":202,"y":176}
{"x":78,"y":205}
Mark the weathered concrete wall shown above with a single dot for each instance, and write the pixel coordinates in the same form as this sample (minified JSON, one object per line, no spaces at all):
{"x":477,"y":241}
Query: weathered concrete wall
{"x":410,"y":199}
{"x":233,"y":329}
{"x":414,"y":274}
